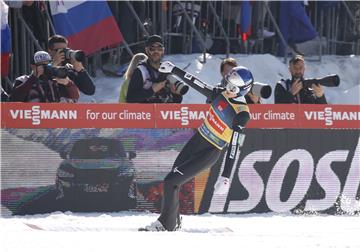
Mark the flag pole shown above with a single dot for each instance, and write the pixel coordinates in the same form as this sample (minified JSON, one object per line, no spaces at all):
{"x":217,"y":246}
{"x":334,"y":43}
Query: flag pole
{"x":278,"y":31}
{"x":49,"y":19}
{"x":30,"y":32}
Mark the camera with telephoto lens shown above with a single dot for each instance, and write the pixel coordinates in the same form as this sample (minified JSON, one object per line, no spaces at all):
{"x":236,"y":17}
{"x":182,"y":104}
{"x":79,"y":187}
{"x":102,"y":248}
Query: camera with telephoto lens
{"x":327,"y":81}
{"x":77,"y":55}
{"x":55,"y":72}
{"x":179,"y":86}
{"x":261,"y":89}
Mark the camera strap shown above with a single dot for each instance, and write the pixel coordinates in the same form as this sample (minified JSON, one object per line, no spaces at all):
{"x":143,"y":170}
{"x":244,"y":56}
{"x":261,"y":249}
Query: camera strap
{"x":162,"y":96}
{"x":152,"y":72}
{"x":49,"y":91}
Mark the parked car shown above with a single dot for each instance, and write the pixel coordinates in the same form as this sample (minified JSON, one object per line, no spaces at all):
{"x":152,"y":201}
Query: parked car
{"x":97,"y":174}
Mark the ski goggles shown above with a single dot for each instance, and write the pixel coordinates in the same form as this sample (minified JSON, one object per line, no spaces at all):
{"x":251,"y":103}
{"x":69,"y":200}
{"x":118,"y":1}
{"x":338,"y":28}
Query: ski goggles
{"x":230,"y":87}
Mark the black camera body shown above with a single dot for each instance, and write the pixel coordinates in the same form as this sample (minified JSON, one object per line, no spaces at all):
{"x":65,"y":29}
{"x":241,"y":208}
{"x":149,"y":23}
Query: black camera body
{"x":55,"y":72}
{"x":179,"y":86}
{"x":77,"y":55}
{"x":327,"y":81}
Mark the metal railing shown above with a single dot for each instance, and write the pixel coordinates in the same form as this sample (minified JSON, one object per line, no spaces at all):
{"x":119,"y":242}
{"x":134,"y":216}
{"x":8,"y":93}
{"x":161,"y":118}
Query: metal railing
{"x":24,"y":45}
{"x":188,"y":26}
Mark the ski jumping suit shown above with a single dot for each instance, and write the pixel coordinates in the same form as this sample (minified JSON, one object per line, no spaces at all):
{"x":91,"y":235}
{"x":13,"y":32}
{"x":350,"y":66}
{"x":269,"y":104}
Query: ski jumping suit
{"x":223,"y":125}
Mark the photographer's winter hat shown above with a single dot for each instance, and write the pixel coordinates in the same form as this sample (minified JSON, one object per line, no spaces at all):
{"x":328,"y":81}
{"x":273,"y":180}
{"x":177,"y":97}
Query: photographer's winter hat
{"x":154,"y":39}
{"x":41,"y":57}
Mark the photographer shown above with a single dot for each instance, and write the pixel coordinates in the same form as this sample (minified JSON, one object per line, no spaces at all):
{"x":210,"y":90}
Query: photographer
{"x":45,"y":83}
{"x":295,"y":90}
{"x":63,"y":56}
{"x":147,"y":84}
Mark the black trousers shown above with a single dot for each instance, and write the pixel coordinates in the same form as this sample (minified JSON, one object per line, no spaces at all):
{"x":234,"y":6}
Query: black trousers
{"x":197,"y":155}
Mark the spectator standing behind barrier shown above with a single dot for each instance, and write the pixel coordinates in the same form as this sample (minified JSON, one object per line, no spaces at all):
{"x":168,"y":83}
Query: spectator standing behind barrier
{"x":45,"y":84}
{"x":77,"y":72}
{"x":293,"y":91}
{"x":35,"y":17}
{"x":136,"y":59}
{"x":225,"y":67}
{"x":147,"y":84}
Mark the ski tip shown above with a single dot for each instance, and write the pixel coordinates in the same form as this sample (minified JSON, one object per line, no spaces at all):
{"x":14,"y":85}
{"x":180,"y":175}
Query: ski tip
{"x":33,"y":226}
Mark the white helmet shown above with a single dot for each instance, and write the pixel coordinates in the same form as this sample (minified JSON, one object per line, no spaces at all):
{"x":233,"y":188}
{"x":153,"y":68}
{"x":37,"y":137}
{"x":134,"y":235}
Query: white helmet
{"x":239,"y":80}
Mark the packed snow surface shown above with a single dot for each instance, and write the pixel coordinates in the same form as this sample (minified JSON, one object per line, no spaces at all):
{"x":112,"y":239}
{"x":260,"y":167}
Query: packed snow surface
{"x":208,"y":232}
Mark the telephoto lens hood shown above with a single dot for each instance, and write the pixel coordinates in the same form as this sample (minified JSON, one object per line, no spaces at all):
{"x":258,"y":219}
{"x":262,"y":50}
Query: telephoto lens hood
{"x":261,"y":89}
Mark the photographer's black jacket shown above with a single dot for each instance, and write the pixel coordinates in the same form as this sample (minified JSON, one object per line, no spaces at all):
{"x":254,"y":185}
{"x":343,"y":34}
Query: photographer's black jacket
{"x":140,"y":90}
{"x":82,"y":80}
{"x":306,"y":96}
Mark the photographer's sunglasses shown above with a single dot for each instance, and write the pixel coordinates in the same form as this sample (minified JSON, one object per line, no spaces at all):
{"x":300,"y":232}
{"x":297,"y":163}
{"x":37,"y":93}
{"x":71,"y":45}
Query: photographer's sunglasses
{"x":156,"y":48}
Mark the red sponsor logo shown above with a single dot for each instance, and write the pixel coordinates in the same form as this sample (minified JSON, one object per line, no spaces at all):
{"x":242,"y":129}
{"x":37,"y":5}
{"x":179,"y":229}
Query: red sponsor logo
{"x":60,"y":115}
{"x":222,"y":105}
{"x":274,"y":116}
{"x":215,"y":122}
{"x":330,"y":117}
{"x":180,"y":116}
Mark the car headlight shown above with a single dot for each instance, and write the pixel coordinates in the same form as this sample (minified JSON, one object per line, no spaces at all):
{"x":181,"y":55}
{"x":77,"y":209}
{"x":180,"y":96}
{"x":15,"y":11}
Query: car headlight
{"x":125,"y":174}
{"x":122,"y":174}
{"x":65,"y":174}
{"x":124,"y":169}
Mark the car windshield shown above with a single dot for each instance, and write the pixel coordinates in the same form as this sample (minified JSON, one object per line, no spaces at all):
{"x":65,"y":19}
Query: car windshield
{"x":97,"y":149}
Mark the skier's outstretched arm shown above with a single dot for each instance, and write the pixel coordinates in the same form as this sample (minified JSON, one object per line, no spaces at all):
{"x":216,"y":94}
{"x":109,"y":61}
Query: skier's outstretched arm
{"x":192,"y":81}
{"x":237,"y":140}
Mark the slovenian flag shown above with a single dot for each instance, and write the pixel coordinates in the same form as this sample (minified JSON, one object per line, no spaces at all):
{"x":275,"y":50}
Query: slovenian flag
{"x":5,"y":40}
{"x":88,"y":25}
